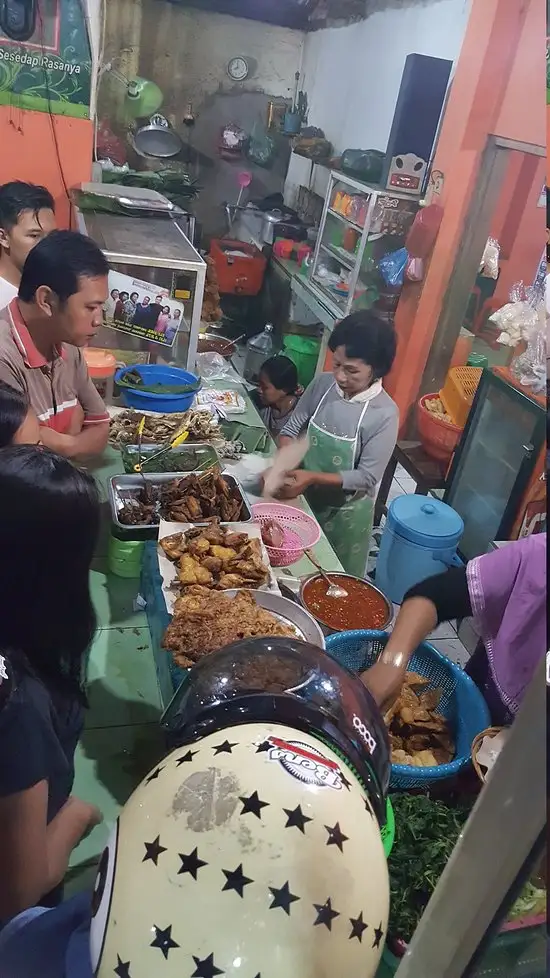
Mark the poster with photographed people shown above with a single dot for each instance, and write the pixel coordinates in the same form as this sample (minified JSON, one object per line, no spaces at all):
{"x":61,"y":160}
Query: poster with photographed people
{"x":142,"y":309}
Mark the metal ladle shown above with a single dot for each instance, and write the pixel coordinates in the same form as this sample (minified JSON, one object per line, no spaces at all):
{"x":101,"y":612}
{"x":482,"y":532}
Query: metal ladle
{"x":334,"y":590}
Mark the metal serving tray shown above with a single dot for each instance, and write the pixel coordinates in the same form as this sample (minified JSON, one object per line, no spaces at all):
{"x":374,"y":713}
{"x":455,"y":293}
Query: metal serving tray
{"x":201,"y":455}
{"x":122,"y":487}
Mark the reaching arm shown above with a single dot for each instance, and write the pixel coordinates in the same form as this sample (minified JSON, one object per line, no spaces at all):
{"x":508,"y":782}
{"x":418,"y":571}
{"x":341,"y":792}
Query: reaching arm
{"x":434,"y":600}
{"x":34,"y":856}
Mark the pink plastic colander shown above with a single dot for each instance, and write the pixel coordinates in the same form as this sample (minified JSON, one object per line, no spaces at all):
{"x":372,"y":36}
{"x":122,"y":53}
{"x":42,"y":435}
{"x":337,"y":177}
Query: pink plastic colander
{"x":301,"y":531}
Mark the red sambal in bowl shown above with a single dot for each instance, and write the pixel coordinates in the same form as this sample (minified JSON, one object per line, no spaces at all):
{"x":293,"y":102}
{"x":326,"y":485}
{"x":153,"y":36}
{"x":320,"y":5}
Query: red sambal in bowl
{"x":365,"y":607}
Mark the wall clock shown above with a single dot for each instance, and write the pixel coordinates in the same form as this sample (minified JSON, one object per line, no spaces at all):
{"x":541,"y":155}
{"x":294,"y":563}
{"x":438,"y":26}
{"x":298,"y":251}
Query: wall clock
{"x":238,"y":69}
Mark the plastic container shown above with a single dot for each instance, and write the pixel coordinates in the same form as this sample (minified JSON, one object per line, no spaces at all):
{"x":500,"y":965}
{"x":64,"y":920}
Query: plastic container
{"x":301,"y":531}
{"x":125,"y":557}
{"x":240,"y":266}
{"x":438,"y":437}
{"x":258,"y":349}
{"x":101,"y":368}
{"x":304,"y":353}
{"x":461,"y":703}
{"x":458,"y":392}
{"x":420,"y":539}
{"x":157,"y":374}
{"x":478,"y":360}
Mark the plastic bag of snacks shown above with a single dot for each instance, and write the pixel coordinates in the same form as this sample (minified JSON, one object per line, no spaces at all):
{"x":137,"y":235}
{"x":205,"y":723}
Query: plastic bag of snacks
{"x":392,"y":266}
{"x":489,"y":267}
{"x":518,"y":317}
{"x":530,"y":367}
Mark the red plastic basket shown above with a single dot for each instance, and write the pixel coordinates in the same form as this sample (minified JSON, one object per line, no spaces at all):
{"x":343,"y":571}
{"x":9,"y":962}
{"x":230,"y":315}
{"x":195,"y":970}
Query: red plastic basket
{"x":438,"y":437}
{"x":301,"y":531}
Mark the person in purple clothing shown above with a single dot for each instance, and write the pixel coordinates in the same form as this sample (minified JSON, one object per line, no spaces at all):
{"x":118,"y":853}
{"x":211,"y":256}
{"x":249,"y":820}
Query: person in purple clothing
{"x":505,"y":593}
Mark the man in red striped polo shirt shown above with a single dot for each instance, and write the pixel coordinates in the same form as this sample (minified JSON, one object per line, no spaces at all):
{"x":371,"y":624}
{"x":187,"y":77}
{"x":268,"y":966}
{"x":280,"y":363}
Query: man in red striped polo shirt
{"x":57,"y":312}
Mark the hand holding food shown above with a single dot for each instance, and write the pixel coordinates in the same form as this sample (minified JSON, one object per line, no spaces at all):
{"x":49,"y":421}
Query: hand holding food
{"x":419,"y":735}
{"x":295,"y":484}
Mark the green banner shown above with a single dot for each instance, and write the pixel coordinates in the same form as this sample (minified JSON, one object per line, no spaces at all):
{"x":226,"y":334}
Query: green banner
{"x":52,"y":71}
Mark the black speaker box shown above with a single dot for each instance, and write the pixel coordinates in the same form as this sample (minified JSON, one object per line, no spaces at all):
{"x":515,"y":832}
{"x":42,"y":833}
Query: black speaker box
{"x":415,"y":121}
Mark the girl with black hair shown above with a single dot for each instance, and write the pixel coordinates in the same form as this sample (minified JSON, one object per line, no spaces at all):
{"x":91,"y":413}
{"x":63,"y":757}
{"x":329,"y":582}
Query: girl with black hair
{"x":18,"y":422}
{"x":278,"y":393}
{"x":352,"y":425}
{"x":49,"y":518}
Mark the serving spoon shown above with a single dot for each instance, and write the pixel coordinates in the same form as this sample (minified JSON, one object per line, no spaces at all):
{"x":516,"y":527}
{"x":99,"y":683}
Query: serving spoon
{"x":334,"y":590}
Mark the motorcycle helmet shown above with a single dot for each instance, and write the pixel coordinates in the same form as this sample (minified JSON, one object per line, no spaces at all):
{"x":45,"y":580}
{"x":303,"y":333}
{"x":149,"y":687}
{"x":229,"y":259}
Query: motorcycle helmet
{"x":291,"y":682}
{"x":251,"y":852}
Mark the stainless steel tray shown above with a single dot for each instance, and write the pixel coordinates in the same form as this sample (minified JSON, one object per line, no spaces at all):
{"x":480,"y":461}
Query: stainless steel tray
{"x":123,"y":487}
{"x":288,"y":613}
{"x":201,"y":455}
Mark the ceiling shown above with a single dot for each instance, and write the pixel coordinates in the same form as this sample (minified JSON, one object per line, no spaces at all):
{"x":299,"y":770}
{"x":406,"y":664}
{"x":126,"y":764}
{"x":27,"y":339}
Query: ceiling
{"x":298,"y":14}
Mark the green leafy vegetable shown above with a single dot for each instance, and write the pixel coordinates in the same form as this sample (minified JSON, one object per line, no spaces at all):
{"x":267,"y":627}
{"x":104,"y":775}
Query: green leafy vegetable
{"x":426,"y":832}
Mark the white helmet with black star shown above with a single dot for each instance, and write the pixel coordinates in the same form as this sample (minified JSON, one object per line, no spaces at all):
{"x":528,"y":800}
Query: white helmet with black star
{"x":254,"y":849}
{"x":251,"y":855}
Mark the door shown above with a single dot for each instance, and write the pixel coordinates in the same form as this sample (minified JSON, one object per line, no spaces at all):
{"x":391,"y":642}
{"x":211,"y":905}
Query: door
{"x":494,"y":462}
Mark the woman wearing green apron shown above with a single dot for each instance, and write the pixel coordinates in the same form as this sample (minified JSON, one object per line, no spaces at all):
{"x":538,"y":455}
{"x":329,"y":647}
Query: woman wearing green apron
{"x":352,"y":425}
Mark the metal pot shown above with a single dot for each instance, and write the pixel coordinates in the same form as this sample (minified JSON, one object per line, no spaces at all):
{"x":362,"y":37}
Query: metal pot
{"x":270,"y":219}
{"x":327,"y":629}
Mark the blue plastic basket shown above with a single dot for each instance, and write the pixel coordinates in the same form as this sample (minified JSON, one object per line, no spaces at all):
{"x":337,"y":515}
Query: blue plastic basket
{"x":158,"y":374}
{"x":461,"y":703}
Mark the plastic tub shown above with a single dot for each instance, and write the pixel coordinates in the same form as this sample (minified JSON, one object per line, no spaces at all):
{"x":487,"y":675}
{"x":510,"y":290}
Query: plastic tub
{"x":125,"y":557}
{"x":101,"y":368}
{"x":420,"y":539}
{"x":156,"y":374}
{"x":304,"y":353}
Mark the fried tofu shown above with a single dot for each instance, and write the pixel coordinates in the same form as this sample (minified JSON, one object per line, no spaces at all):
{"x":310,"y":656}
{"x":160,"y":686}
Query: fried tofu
{"x":225,"y":554}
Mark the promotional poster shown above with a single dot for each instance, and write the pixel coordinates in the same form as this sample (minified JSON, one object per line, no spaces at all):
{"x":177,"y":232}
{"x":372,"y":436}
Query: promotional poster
{"x":142,"y":309}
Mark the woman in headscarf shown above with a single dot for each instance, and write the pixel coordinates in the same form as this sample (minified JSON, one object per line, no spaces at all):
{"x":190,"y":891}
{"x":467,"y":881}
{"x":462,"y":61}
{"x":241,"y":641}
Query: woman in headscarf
{"x":505,"y":593}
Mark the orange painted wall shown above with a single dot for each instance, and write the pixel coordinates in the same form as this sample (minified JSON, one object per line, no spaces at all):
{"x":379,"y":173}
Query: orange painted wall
{"x":498,"y":89}
{"x":28,"y":152}
{"x":519,"y":224}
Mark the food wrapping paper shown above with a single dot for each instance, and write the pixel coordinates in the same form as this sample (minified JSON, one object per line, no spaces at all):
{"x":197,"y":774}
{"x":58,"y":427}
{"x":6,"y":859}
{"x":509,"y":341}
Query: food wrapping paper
{"x":168,"y":570}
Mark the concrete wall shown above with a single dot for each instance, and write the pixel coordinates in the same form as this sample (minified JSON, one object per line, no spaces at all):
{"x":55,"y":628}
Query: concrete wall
{"x":352,"y":74}
{"x":186,"y":52}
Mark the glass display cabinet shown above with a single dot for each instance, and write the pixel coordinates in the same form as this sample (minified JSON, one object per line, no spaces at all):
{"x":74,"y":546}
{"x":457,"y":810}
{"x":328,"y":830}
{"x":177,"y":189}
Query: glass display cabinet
{"x":360,"y":224}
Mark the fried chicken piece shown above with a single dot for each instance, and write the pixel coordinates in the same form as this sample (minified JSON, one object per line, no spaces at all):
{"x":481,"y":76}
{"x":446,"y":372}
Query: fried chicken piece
{"x":248,"y":569}
{"x":236,"y":540}
{"x":173,"y":546}
{"x":214,"y":534}
{"x":204,"y":575}
{"x":214,"y":564}
{"x":229,"y":581}
{"x":194,"y":507}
